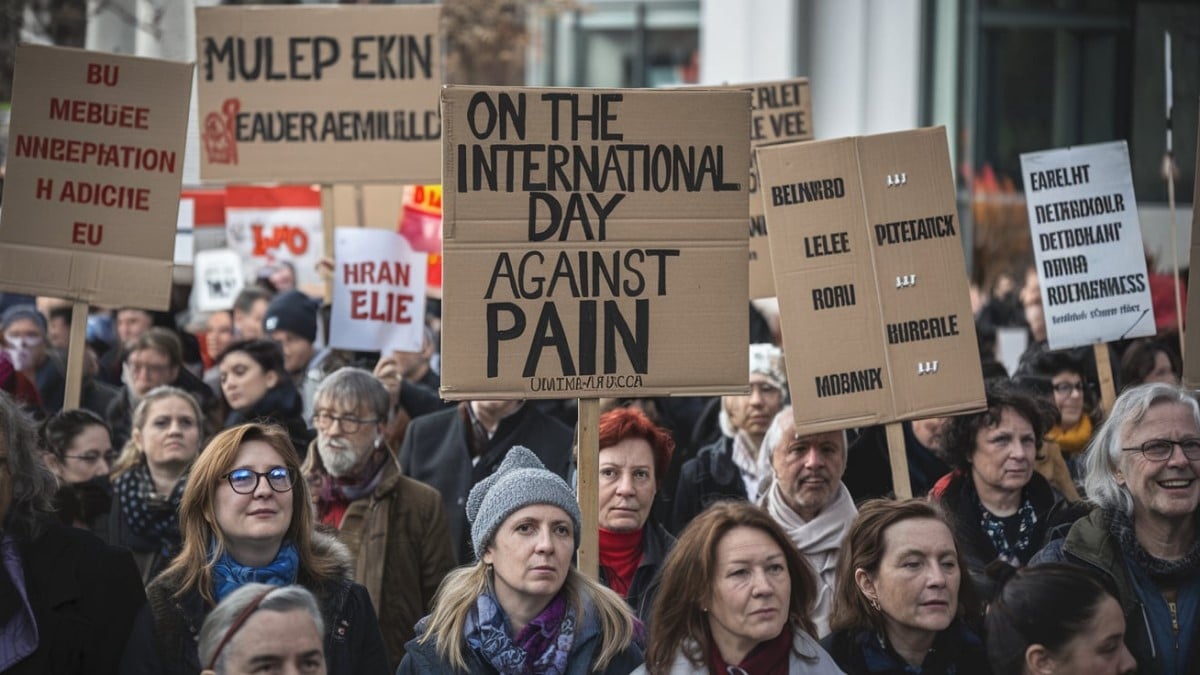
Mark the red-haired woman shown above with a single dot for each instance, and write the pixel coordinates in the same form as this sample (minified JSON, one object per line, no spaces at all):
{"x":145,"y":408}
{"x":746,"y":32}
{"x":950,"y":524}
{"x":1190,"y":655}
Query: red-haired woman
{"x":634,"y":454}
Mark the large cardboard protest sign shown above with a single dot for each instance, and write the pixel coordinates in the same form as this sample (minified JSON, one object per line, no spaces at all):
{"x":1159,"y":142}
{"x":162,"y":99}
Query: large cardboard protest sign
{"x":782,"y":113}
{"x":91,"y":195}
{"x":1087,"y":244}
{"x":1191,"y":353}
{"x":320,"y":94}
{"x":378,"y":292}
{"x":872,"y":286}
{"x":594,"y":242}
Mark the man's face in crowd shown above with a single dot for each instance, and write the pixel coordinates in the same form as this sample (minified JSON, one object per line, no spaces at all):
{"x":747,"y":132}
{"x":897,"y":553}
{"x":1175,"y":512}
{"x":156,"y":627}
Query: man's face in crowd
{"x":347,"y":442}
{"x":58,"y":331}
{"x":297,"y":351}
{"x":809,"y":469}
{"x":147,"y":369}
{"x":131,"y":323}
{"x":250,"y":324}
{"x":26,"y":343}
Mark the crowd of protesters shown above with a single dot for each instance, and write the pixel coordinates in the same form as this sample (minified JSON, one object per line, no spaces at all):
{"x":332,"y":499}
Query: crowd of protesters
{"x":232,"y":495}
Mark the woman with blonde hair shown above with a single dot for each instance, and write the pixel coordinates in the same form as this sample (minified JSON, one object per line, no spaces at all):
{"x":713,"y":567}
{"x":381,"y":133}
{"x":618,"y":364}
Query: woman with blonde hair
{"x":245,"y":517}
{"x":149,"y":477}
{"x":522,"y":607}
{"x":736,"y":597}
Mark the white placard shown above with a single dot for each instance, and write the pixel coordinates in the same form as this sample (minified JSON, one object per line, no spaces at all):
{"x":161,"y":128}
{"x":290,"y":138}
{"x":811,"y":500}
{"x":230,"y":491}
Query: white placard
{"x":1088,"y":244}
{"x":218,"y":279}
{"x":378,"y":292}
{"x":185,"y":232}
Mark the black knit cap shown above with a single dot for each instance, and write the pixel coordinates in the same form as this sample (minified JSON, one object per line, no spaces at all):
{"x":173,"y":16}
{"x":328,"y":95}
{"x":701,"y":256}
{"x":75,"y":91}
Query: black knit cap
{"x":294,"y":312}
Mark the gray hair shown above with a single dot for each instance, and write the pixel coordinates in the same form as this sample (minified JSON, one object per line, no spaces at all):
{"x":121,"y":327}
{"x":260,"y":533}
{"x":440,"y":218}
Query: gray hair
{"x":784,"y":422}
{"x":276,"y":599}
{"x":1104,"y":456}
{"x":355,"y":386}
{"x":29,"y":478}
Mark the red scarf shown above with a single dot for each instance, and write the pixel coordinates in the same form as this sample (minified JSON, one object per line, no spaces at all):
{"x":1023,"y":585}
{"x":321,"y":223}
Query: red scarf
{"x":620,"y":553}
{"x":767,"y":658}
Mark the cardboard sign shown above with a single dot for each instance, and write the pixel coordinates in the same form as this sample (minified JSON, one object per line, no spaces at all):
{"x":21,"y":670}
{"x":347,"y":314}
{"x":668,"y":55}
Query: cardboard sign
{"x":782,"y":114}
{"x":868,"y":261}
{"x":218,"y":279}
{"x":320,"y":94}
{"x":94,"y":166}
{"x":594,"y":242}
{"x":378,"y":292}
{"x":1087,"y":244}
{"x":280,"y":224}
{"x":1191,"y":354}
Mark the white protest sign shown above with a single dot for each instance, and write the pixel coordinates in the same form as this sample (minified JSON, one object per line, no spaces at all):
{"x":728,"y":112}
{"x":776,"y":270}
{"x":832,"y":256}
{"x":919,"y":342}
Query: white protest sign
{"x":378,"y":292}
{"x":218,"y":279}
{"x":1087,"y":244}
{"x":270,"y":225}
{"x":185,"y":232}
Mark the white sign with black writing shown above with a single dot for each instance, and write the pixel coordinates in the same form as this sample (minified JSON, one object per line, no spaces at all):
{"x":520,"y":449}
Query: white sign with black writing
{"x":1088,"y":244}
{"x":218,"y":279}
{"x":378,"y":292}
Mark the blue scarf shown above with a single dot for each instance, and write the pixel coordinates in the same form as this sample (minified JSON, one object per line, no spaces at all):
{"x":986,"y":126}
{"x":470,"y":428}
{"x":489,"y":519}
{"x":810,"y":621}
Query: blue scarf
{"x":230,"y":575}
{"x":542,"y":648}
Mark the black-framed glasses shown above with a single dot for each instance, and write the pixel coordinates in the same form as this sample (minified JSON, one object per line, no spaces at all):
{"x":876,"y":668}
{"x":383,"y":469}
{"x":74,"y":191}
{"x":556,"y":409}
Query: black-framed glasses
{"x":1065,"y":388}
{"x":245,"y":481}
{"x":349,"y":424}
{"x":93,"y":457}
{"x":1160,"y":449}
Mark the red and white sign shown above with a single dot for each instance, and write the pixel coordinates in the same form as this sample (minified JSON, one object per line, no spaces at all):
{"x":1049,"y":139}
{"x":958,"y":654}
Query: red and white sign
{"x":378,"y":292}
{"x":269,"y":225}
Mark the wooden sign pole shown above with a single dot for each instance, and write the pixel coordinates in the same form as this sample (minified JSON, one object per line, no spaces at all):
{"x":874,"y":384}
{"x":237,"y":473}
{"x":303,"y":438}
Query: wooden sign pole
{"x":588,"y":490}
{"x":1108,"y":391}
{"x":327,"y":225}
{"x":899,"y":460}
{"x":76,"y":353}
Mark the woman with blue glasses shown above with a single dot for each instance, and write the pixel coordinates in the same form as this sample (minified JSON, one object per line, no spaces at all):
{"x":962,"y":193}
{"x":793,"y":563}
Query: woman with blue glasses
{"x":246,"y":517}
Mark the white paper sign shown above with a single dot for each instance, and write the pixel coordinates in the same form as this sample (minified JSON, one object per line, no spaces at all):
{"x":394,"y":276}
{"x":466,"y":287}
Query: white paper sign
{"x":185,"y":232}
{"x":269,"y":225}
{"x":378,"y":292}
{"x":1088,"y":244}
{"x":218,"y":279}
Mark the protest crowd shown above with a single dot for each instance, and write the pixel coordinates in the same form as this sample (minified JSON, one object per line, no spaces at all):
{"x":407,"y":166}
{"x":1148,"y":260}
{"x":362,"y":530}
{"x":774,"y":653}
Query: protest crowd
{"x":258,"y":477}
{"x":427,"y":536}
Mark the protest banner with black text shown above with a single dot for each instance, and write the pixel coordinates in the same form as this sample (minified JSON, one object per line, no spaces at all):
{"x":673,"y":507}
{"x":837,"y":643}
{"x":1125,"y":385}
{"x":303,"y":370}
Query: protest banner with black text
{"x":594,"y":243}
{"x":1087,"y":244}
{"x":319,"y":94}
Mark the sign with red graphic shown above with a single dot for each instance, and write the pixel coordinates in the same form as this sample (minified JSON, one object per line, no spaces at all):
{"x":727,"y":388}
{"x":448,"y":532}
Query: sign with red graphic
{"x":269,"y":225}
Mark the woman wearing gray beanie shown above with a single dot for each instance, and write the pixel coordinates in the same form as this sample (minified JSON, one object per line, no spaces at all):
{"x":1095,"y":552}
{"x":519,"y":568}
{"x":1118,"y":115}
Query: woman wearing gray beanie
{"x":522,"y":607}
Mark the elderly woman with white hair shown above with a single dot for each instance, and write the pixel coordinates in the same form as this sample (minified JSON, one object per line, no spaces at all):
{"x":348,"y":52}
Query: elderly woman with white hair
{"x":734,"y":466}
{"x":1143,"y":476}
{"x":260,"y":627}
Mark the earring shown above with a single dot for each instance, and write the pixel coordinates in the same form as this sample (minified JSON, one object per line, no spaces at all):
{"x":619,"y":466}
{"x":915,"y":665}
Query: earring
{"x":874,"y":604}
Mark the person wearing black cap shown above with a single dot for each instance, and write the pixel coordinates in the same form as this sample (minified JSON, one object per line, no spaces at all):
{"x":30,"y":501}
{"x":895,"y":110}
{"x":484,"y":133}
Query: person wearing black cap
{"x":291,"y":321}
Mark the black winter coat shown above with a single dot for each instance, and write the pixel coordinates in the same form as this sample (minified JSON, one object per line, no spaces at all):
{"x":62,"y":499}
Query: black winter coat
{"x":281,"y":406}
{"x":436,"y":452}
{"x":708,"y":478}
{"x":84,"y":595}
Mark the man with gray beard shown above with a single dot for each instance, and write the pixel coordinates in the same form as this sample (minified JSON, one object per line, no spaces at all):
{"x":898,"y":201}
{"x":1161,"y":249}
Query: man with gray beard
{"x":395,"y":526}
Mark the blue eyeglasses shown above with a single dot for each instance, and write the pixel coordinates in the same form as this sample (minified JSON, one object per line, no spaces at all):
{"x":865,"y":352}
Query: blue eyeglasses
{"x":245,"y":481}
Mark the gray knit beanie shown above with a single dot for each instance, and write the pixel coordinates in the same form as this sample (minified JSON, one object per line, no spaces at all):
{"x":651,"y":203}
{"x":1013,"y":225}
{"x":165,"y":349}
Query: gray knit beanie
{"x":521,"y":480}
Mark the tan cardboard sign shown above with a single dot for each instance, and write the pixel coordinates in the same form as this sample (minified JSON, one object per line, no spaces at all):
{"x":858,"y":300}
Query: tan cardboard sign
{"x":595,"y":242}
{"x":319,"y":94}
{"x":1191,"y":353}
{"x":95,"y":162}
{"x":782,"y":113}
{"x":868,"y":262}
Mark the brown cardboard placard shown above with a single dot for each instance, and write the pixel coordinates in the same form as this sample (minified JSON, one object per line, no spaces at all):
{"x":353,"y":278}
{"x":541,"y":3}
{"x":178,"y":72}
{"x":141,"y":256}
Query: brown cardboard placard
{"x":868,"y":263}
{"x":617,"y":236}
{"x":95,"y":162}
{"x":319,"y":94}
{"x":781,"y":113}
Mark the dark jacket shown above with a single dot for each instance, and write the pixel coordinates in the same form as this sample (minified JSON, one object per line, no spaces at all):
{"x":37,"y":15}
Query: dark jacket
{"x":656,"y":544}
{"x":281,"y":406}
{"x":436,"y":451}
{"x":164,"y":639}
{"x":958,"y":650}
{"x":401,"y":548}
{"x":959,"y":500}
{"x":1090,"y":545}
{"x":708,"y":478}
{"x":84,"y":595}
{"x":423,"y":659}
{"x":866,"y":475}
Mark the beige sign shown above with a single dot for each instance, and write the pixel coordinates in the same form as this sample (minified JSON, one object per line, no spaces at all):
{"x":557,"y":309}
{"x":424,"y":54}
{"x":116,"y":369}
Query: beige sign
{"x":95,"y":161}
{"x":782,"y":114}
{"x":1191,"y":360}
{"x":319,"y":94}
{"x":868,"y":261}
{"x":595,"y":242}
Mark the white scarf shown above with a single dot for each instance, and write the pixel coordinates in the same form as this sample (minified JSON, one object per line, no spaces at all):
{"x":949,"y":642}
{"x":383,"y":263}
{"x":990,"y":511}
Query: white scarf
{"x":818,"y":541}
